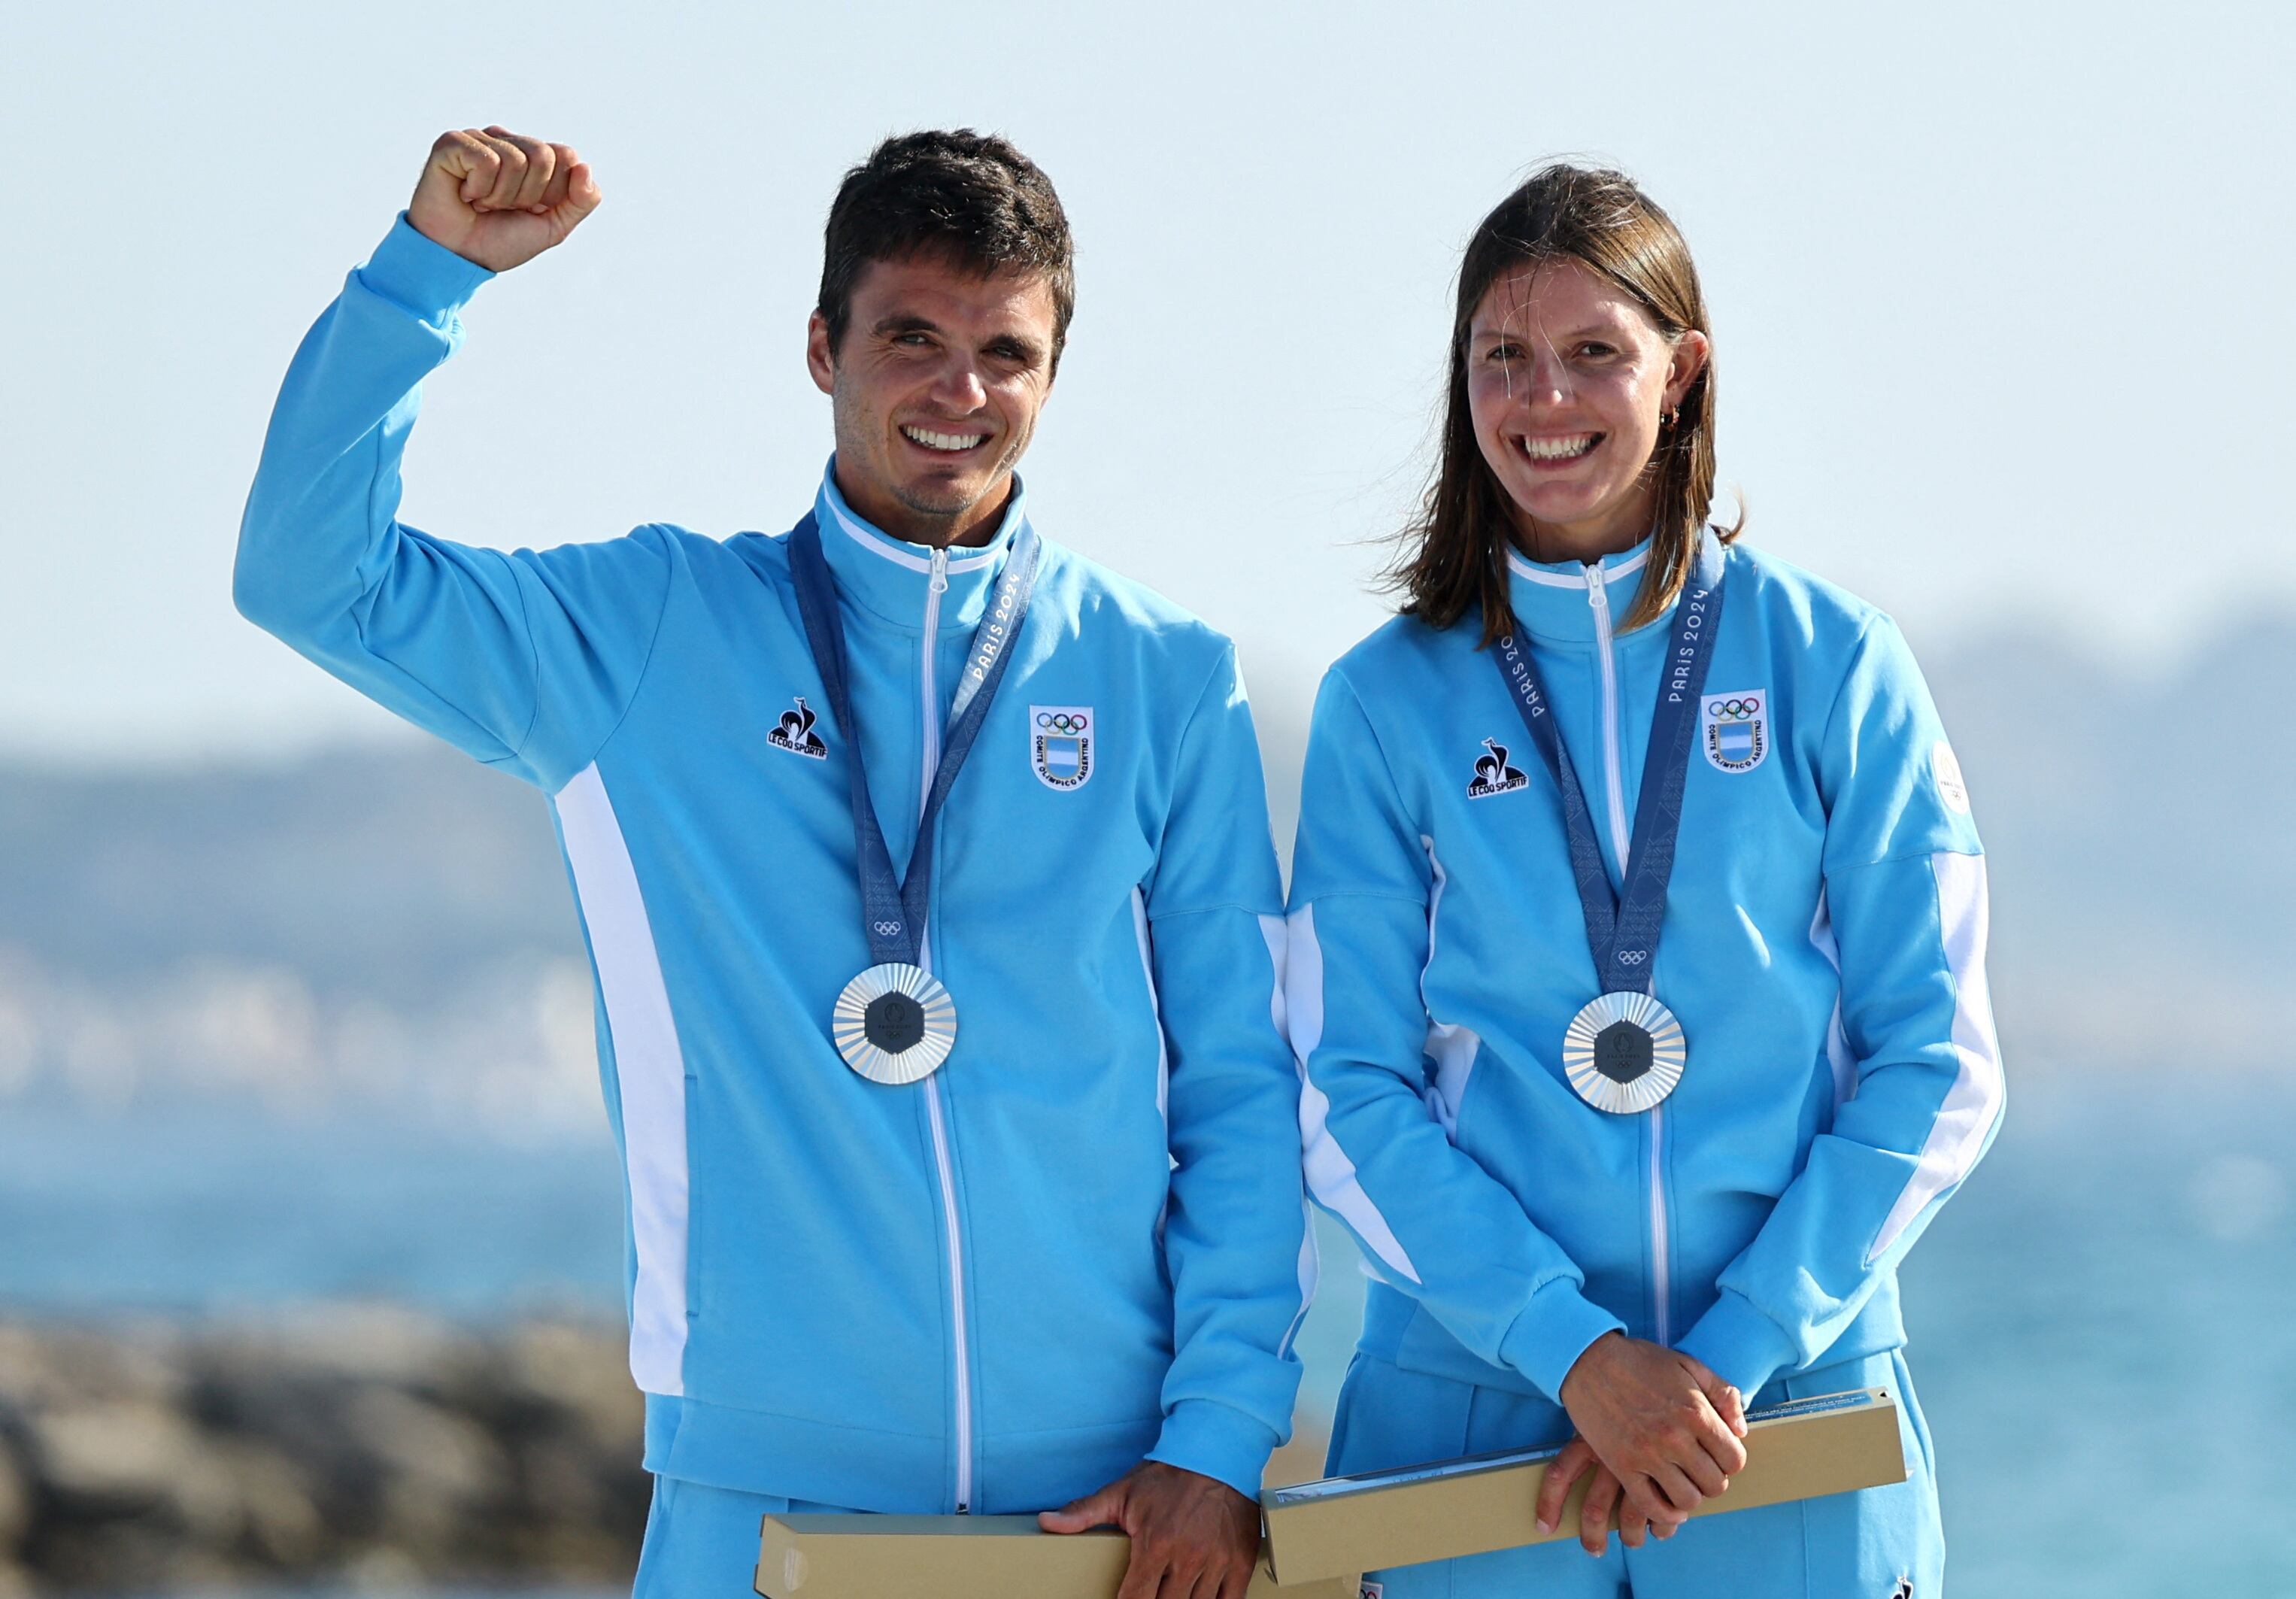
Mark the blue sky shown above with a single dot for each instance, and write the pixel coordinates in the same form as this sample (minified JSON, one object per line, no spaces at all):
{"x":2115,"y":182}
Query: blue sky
{"x":2002,"y":296}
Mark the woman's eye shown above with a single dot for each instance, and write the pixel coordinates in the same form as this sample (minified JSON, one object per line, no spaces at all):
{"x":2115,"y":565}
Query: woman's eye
{"x":1594,"y":349}
{"x":1505,"y":352}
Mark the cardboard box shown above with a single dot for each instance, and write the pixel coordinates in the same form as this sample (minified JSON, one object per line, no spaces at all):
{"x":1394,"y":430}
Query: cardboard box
{"x":961,"y":1557}
{"x":1349,"y":1525}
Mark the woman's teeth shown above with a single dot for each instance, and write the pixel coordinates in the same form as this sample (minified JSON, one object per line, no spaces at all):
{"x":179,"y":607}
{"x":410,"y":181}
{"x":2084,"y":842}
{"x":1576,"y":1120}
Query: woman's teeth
{"x":1568,"y":447}
{"x":942,"y":441}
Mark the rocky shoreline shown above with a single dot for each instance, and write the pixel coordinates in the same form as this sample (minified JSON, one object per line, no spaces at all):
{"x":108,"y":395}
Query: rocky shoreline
{"x":362,"y":1450}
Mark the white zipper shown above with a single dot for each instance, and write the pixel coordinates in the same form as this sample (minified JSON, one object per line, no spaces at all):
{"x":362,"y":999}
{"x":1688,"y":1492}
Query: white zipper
{"x":1598,"y":598}
{"x":935,"y":1106}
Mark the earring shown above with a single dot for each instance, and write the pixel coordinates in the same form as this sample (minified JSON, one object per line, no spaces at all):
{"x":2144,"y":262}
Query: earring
{"x":1674,"y":417}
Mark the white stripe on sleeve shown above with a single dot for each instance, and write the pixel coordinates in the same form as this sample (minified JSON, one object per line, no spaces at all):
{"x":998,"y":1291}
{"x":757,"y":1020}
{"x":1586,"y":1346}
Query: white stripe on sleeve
{"x":1974,"y":1103}
{"x":1331,"y":1175}
{"x":1311,"y":1266}
{"x":649,"y":1068}
{"x":1452,"y":1045}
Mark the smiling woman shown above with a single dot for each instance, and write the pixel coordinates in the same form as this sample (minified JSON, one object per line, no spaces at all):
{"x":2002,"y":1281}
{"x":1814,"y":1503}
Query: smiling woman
{"x":1580,"y":410}
{"x":1616,"y":1194}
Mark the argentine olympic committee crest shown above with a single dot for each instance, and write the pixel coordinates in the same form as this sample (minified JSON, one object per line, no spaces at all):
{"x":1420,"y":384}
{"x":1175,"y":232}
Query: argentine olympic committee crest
{"x":1060,"y":745}
{"x":1738,"y":729}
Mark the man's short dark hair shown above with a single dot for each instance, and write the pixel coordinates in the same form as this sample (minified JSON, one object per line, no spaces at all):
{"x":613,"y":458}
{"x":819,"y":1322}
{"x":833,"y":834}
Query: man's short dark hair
{"x":971,"y":197}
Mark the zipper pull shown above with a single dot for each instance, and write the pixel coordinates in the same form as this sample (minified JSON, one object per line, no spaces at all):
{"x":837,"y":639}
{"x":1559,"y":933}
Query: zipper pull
{"x":940,"y":571}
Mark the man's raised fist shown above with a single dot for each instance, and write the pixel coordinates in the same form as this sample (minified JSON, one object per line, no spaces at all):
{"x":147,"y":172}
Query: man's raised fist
{"x":500,"y":199}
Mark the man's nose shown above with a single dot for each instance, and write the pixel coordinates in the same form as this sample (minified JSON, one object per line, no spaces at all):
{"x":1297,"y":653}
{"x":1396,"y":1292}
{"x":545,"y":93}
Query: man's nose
{"x":960,"y":388}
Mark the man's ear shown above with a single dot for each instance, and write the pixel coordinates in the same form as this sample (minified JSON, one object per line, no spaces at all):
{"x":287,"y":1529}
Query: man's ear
{"x":820,"y":359}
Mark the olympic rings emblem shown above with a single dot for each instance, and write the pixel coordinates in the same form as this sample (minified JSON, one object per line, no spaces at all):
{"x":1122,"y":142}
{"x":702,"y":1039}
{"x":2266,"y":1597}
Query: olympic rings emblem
{"x":885,"y":929}
{"x":1061,"y":721}
{"x":1735,"y":710}
{"x":1633,"y":957}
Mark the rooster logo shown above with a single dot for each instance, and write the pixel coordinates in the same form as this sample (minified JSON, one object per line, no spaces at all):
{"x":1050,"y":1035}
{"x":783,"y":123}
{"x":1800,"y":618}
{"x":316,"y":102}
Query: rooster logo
{"x":1493,"y":775}
{"x":795,"y":734}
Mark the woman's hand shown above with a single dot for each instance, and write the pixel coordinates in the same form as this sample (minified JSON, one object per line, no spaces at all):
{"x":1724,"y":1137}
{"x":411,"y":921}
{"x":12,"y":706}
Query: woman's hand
{"x":1660,"y":1424}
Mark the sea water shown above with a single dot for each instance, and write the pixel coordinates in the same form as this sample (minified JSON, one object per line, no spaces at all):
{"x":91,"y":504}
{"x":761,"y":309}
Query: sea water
{"x":2102,"y":1323}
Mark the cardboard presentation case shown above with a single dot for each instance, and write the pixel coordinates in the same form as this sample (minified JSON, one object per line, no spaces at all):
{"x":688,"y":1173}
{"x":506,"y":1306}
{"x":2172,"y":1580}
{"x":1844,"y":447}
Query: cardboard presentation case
{"x":1344,"y":1526}
{"x":961,"y":1557}
{"x":1321,"y":1536}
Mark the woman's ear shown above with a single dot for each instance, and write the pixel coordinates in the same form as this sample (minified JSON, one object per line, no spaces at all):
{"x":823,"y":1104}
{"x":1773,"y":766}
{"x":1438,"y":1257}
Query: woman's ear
{"x":1690,"y":353}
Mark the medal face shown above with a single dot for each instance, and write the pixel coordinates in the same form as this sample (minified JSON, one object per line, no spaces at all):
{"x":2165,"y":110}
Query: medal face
{"x":895,"y":1024}
{"x":1624,"y":1053}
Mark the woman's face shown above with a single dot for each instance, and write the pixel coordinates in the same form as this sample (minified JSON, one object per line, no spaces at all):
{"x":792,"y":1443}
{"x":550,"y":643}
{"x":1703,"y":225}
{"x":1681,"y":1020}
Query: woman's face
{"x":1566,"y":379}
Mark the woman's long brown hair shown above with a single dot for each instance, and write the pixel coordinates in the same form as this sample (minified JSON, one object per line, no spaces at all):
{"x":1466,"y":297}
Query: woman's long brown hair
{"x":1453,"y":555}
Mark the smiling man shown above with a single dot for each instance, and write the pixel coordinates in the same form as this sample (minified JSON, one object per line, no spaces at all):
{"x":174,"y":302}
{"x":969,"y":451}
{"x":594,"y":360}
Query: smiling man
{"x":925,"y":872}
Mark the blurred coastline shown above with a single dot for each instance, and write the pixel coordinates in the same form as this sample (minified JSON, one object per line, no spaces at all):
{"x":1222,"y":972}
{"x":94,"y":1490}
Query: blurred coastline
{"x":310,"y":1233}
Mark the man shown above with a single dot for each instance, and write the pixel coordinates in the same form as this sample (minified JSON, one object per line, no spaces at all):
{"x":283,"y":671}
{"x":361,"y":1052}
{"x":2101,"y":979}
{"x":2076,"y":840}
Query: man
{"x":1031,"y":1239}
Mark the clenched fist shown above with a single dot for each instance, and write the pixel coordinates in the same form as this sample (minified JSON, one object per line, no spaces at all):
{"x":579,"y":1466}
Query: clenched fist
{"x":500,"y":199}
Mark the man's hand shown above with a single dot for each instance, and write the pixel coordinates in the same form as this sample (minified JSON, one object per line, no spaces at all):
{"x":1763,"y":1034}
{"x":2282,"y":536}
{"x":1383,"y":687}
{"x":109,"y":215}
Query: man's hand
{"x":1192,"y":1538}
{"x":500,"y":199}
{"x":1663,"y":1425}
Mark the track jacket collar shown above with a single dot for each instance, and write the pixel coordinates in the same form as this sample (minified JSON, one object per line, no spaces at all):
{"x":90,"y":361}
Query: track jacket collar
{"x":1553,"y":601}
{"x":892,"y":579}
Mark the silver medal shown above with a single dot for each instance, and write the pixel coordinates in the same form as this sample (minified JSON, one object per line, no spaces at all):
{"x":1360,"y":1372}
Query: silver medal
{"x":1624,"y":1052}
{"x":895,"y":1024}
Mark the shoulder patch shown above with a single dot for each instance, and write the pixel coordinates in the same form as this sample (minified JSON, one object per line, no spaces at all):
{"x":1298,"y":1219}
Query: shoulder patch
{"x":1736,"y":729}
{"x":1946,"y":770}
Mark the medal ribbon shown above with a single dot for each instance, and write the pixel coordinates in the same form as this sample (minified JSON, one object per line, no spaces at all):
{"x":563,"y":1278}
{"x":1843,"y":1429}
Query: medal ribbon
{"x":893,"y":910}
{"x":1622,"y":928}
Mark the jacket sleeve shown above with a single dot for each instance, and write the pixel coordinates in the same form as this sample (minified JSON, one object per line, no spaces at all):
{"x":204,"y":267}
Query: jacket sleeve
{"x":1918,"y":1062}
{"x":1430,"y":1219}
{"x":1235,"y":1235}
{"x":527,"y":660}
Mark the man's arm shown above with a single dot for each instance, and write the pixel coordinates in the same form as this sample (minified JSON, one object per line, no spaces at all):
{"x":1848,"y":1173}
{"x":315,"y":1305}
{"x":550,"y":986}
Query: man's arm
{"x":1236,"y":1237}
{"x":523,"y":661}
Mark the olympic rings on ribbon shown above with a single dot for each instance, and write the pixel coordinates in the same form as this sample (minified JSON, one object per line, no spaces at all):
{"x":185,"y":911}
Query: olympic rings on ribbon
{"x":1061,"y":721}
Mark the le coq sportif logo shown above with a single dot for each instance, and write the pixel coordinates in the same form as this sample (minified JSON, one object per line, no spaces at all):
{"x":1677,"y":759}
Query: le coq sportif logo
{"x":1493,"y":774}
{"x":794,"y":732}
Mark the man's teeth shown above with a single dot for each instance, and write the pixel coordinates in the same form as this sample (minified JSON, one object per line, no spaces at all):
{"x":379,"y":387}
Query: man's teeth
{"x":1560,"y":449}
{"x":942,"y":441}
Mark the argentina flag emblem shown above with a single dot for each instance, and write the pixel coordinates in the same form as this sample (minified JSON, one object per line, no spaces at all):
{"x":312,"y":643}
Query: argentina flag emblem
{"x":1738,"y":729}
{"x":1060,"y":745}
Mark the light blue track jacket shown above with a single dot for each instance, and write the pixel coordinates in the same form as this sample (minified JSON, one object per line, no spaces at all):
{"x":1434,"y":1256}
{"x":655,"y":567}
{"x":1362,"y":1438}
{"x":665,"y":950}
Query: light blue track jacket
{"x":1823,"y":949}
{"x":1078,"y":1245}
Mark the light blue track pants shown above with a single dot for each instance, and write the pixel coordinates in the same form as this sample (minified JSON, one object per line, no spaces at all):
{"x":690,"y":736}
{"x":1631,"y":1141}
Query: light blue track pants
{"x":702,"y":1542}
{"x":1885,"y":1543}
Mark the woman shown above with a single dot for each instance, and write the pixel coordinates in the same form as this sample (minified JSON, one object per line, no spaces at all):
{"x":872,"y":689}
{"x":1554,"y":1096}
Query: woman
{"x":1638,"y":1057}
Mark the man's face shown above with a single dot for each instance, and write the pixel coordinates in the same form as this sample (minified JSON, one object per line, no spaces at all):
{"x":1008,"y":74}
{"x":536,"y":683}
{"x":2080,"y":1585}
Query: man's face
{"x":934,"y":393}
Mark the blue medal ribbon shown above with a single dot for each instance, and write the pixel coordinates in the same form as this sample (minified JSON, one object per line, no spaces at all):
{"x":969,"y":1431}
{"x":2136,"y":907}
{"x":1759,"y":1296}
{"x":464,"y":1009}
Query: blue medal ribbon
{"x":893,"y":910}
{"x":1623,"y":927}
